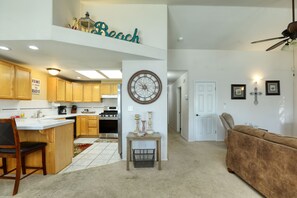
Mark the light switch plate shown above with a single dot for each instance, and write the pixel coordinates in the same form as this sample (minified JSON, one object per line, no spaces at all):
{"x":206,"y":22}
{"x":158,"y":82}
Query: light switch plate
{"x":130,"y":108}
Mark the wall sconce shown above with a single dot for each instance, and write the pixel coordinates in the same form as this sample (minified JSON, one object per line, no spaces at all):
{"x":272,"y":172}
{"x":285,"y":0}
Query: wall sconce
{"x":256,"y":93}
{"x":53,"y":71}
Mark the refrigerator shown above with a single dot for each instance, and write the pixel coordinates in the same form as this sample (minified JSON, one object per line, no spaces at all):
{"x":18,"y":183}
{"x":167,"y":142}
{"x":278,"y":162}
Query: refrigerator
{"x":119,"y":101}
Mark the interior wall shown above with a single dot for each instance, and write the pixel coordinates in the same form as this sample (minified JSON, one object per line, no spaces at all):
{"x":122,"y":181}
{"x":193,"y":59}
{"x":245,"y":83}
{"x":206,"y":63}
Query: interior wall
{"x":159,"y":107}
{"x":125,"y":18}
{"x":34,"y":23}
{"x":64,"y":11}
{"x":274,"y":113}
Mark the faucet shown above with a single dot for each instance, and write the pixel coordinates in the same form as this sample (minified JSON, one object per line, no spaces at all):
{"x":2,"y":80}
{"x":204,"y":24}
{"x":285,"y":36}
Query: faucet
{"x":39,"y":112}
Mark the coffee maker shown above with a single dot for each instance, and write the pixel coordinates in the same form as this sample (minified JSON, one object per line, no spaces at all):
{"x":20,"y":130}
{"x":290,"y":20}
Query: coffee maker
{"x":73,"y":109}
{"x":62,"y":110}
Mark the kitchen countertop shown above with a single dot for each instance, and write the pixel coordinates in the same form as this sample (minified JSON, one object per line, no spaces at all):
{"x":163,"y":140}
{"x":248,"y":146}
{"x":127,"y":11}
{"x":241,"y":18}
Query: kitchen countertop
{"x":39,"y":124}
{"x":47,"y":122}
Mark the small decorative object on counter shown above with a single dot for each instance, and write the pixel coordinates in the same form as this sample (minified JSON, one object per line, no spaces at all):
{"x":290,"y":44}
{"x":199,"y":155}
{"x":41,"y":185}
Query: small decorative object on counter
{"x":85,"y":23}
{"x":143,"y":126}
{"x":137,"y":118}
{"x":149,"y":123}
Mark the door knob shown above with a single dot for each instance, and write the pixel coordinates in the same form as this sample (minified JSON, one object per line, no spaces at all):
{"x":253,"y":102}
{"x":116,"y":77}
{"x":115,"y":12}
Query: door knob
{"x":197,"y":114}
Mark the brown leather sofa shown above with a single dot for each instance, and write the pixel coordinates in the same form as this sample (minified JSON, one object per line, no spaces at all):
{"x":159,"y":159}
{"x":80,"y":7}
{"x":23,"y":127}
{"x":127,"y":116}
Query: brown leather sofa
{"x":266,"y":161}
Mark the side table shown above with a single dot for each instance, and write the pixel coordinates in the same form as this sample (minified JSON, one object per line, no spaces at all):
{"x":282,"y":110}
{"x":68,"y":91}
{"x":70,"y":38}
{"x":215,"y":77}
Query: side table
{"x":134,"y":137}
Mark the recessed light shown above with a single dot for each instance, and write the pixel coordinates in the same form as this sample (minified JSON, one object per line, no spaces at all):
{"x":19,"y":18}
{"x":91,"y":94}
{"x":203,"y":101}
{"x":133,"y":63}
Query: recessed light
{"x":92,"y":74}
{"x":77,"y":77}
{"x":4,"y":48}
{"x":33,"y":47}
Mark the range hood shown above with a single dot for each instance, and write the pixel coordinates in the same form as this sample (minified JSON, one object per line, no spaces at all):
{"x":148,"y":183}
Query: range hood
{"x":109,"y":96}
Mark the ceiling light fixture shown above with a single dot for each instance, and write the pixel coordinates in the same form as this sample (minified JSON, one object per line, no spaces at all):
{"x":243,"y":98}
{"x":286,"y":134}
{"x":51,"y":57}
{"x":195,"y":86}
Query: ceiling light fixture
{"x":33,"y":47}
{"x":4,"y":48}
{"x":53,"y":71}
{"x":92,"y":74}
{"x":112,"y":74}
{"x":180,"y":38}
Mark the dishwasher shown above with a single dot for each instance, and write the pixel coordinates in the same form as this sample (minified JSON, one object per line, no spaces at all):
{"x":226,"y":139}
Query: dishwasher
{"x":74,"y":125}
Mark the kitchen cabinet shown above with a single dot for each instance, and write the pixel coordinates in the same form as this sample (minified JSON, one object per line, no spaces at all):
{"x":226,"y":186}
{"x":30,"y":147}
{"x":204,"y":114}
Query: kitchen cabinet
{"x":68,"y":96}
{"x":7,"y":79}
{"x":16,"y":82}
{"x":23,"y":86}
{"x":56,"y":89}
{"x":91,"y":92}
{"x":109,"y":88}
{"x":77,"y":92}
{"x":87,"y":126}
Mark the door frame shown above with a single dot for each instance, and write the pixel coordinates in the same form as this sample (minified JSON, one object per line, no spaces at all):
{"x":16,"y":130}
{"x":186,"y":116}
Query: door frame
{"x":215,"y":107}
{"x":178,"y":109}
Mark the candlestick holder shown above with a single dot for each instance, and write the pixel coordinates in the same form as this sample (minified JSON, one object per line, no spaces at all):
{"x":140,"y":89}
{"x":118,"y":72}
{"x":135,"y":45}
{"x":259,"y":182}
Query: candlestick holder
{"x":137,"y":117}
{"x":143,"y":126}
{"x":150,"y":123}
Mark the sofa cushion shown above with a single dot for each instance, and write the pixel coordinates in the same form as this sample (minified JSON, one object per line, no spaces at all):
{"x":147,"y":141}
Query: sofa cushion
{"x":284,"y":140}
{"x":250,"y":130}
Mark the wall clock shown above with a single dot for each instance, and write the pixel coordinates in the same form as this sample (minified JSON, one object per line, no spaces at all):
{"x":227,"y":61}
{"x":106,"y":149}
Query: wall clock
{"x":144,"y":87}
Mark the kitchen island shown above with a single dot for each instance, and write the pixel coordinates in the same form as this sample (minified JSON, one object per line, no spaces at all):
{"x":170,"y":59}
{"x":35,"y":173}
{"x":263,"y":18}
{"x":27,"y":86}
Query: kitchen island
{"x":58,"y":134}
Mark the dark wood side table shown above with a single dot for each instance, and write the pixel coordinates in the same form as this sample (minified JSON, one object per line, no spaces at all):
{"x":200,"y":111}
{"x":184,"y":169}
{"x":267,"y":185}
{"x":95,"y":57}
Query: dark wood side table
{"x":134,"y":137}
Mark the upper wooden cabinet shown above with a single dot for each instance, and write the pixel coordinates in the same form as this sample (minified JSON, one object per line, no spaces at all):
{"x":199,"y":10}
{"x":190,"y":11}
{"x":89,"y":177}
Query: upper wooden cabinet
{"x":17,"y":81}
{"x":77,"y":92}
{"x":23,"y":83}
{"x":68,"y":96}
{"x":91,"y":92}
{"x":109,"y":89}
{"x":56,"y":89}
{"x":7,"y":79}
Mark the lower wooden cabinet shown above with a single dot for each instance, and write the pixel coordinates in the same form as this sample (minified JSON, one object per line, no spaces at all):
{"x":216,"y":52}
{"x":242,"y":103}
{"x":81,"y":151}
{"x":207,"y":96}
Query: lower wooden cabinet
{"x":87,"y":125}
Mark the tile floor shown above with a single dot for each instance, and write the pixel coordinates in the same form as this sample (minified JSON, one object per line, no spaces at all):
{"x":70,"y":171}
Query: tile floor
{"x":97,"y":154}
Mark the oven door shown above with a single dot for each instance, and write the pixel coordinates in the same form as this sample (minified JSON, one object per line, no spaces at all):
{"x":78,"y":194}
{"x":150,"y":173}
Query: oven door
{"x":108,"y":126}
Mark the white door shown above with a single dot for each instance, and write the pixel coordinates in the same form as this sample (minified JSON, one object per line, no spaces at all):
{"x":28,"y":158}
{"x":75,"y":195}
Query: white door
{"x":205,"y":119}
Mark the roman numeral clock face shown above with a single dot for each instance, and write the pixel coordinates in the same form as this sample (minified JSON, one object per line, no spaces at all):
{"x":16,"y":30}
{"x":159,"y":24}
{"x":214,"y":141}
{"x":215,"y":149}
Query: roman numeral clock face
{"x":144,"y":87}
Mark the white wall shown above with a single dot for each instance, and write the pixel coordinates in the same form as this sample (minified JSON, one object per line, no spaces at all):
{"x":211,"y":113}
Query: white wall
{"x":64,"y":11}
{"x":182,"y":82}
{"x":159,"y":107}
{"x":274,"y":113}
{"x":151,"y":20}
{"x":25,"y":19}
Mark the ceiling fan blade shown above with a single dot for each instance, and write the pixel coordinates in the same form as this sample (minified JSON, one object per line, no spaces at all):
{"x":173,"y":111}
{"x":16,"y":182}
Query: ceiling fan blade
{"x":270,"y":39}
{"x":277,"y":44}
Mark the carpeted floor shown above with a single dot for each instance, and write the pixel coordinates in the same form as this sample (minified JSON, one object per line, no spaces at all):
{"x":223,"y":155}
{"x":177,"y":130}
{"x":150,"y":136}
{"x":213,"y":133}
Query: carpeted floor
{"x":195,"y":169}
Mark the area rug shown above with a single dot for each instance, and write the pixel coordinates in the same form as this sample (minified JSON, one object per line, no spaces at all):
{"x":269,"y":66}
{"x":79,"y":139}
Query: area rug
{"x":107,"y":140}
{"x":78,"y":148}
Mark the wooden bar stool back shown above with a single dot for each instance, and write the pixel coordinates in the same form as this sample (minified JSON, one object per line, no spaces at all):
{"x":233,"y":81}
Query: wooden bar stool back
{"x":11,"y":147}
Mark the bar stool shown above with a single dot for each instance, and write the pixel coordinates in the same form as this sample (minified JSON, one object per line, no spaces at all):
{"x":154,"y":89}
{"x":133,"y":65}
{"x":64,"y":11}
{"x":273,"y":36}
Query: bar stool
{"x":11,"y":147}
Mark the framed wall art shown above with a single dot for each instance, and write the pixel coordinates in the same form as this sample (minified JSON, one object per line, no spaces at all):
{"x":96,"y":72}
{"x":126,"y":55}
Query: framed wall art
{"x":238,"y":91}
{"x":272,"y":87}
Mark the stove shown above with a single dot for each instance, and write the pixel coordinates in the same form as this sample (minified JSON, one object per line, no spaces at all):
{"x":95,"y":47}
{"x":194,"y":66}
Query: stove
{"x":108,"y":122}
{"x":109,"y":115}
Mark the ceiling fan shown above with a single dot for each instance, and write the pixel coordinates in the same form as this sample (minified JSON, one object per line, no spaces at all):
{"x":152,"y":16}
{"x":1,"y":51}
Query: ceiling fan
{"x":289,"y":34}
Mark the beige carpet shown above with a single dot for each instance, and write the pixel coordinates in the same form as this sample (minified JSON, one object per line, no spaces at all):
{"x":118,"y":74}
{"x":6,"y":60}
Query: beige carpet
{"x":194,"y":169}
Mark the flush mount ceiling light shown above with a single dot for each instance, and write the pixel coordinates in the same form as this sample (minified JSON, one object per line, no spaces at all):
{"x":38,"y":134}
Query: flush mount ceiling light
{"x":92,"y":74}
{"x":4,"y":48}
{"x":112,"y":74}
{"x":53,"y":71}
{"x":33,"y":47}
